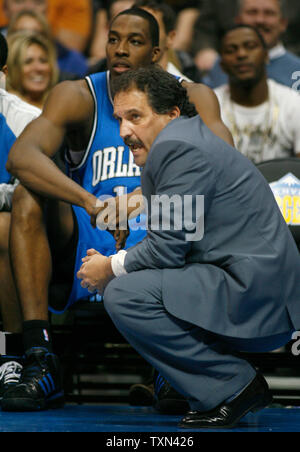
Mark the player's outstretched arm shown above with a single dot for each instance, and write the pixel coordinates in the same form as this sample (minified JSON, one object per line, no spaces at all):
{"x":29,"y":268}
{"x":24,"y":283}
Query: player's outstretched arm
{"x":30,"y":159}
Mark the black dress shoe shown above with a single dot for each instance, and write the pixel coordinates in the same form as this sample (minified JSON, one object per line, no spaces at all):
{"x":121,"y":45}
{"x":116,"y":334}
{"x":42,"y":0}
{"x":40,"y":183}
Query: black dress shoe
{"x":254,"y":398}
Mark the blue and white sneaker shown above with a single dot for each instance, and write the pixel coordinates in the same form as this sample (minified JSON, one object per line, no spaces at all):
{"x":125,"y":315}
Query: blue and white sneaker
{"x":40,"y":385}
{"x":10,"y":374}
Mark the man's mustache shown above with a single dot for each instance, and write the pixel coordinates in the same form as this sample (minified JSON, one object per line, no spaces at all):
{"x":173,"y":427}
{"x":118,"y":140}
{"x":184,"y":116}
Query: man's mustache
{"x":130,"y":142}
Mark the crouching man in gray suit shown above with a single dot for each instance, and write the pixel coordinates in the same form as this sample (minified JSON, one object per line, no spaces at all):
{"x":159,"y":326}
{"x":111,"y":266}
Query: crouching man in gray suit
{"x":187,"y":301}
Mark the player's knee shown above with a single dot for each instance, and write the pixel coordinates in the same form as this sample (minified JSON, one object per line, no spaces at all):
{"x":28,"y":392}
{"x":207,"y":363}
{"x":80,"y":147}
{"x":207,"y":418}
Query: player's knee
{"x":25,"y":207}
{"x":20,"y":195}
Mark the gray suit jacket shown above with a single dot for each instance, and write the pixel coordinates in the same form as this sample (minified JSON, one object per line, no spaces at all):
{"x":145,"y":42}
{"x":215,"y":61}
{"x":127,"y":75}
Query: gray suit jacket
{"x":243,"y":278}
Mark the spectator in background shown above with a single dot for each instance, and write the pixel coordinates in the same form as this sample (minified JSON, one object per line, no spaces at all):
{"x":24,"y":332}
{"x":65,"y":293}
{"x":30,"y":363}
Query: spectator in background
{"x":269,"y":18}
{"x":72,"y":64}
{"x":70,"y":20}
{"x":175,"y":62}
{"x":262,"y":115}
{"x":32,"y":69}
{"x":29,"y":20}
{"x":10,"y":8}
{"x":186,"y":18}
{"x":214,"y":18}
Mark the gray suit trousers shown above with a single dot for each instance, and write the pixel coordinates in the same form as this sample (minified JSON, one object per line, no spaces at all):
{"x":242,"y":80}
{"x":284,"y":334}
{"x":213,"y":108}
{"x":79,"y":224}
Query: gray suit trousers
{"x":200,"y":365}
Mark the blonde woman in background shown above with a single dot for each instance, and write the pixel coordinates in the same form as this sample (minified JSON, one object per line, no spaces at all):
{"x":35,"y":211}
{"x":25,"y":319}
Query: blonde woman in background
{"x":32,"y":68}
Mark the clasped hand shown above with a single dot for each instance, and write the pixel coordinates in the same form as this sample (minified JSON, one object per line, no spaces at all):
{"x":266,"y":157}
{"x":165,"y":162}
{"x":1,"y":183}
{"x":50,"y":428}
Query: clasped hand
{"x":95,"y":272}
{"x":120,"y":235}
{"x":113,"y":214}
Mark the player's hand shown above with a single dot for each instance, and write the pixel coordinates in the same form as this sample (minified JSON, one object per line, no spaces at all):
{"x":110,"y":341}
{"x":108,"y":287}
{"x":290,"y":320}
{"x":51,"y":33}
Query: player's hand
{"x":109,"y":216}
{"x":95,"y":272}
{"x":120,"y":238}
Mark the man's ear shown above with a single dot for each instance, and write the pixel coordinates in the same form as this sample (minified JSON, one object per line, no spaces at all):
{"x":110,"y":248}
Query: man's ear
{"x":174,"y":113}
{"x":156,"y":54}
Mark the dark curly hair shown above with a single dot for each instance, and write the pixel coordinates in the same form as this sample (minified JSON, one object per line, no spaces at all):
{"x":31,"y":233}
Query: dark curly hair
{"x":164,"y":91}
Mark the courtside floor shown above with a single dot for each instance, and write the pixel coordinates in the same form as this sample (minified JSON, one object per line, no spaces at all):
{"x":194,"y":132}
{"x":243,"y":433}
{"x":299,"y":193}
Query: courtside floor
{"x":123,"y":419}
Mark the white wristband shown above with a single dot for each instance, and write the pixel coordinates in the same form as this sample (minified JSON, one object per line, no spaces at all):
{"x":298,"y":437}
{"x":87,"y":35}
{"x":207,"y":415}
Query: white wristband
{"x":117,"y":263}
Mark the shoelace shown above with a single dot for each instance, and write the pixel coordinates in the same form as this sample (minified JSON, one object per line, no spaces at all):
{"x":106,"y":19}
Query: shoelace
{"x":10,"y":372}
